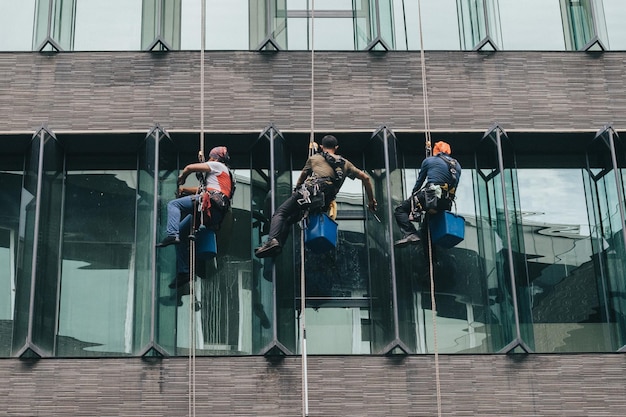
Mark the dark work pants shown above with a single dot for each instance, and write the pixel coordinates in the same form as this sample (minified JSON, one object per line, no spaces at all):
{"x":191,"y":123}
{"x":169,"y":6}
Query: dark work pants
{"x":285,"y":216}
{"x":401,"y":214}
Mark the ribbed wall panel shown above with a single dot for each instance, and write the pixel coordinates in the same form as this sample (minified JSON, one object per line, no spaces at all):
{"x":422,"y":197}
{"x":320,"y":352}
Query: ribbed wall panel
{"x":359,"y":386}
{"x":353,"y":90}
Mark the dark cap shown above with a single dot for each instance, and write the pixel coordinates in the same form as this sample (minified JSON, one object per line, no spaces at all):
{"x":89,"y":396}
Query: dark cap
{"x":329,"y":141}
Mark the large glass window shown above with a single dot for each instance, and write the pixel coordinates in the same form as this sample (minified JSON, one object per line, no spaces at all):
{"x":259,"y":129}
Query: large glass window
{"x":10,"y":188}
{"x":16,"y":25}
{"x":531,"y":25}
{"x":111,"y":25}
{"x":227,"y":25}
{"x":97,"y":277}
{"x":440,"y":26}
{"x":615,"y":14}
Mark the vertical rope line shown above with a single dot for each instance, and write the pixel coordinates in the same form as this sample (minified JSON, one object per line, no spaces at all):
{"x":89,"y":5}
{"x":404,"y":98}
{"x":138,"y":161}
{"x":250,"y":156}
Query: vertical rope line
{"x":192,"y":243}
{"x":424,"y":85}
{"x":430,"y":249}
{"x":202,"y":47}
{"x":305,"y":376}
{"x":434,"y":313}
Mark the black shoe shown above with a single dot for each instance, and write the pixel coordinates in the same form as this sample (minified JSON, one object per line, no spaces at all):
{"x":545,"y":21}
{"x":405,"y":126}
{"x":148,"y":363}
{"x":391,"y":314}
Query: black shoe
{"x":411,"y":239}
{"x":179,"y":281}
{"x":169,"y":240}
{"x":171,"y":300}
{"x":271,"y":248}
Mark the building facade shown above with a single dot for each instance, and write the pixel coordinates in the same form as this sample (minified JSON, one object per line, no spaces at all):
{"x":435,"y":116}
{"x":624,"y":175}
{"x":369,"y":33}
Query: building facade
{"x":103,"y":102}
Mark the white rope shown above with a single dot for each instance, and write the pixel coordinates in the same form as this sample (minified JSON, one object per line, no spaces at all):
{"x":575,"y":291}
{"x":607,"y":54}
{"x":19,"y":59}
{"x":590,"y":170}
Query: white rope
{"x":303,"y":351}
{"x":430,"y":248}
{"x":424,"y":85}
{"x":192,"y":242}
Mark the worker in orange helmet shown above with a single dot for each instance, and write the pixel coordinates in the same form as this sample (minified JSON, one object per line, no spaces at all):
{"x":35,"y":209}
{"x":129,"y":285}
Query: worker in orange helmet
{"x":434,"y":190}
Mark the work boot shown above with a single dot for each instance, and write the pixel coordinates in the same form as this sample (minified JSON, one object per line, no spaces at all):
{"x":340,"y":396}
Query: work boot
{"x":411,"y":239}
{"x":169,"y":240}
{"x":271,"y":248}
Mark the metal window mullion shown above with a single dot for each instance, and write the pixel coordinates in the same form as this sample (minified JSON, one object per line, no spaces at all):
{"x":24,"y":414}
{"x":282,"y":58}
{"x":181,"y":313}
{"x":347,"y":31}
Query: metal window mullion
{"x":507,"y":220}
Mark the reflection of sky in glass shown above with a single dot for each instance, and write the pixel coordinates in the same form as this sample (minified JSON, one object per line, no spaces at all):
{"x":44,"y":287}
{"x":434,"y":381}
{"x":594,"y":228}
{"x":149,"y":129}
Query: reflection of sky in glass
{"x":112,"y":25}
{"x":439,"y":25}
{"x":531,"y":25}
{"x":615,"y":15}
{"x":16,"y":25}
{"x":556,"y":195}
{"x":226,"y":25}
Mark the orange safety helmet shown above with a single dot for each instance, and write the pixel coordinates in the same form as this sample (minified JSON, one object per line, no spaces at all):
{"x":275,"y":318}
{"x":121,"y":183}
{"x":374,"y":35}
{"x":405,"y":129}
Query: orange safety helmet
{"x":441,"y":146}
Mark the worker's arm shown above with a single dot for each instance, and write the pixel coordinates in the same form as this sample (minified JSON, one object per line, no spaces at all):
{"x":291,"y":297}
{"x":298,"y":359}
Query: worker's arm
{"x":369,"y":190}
{"x":197,"y":167}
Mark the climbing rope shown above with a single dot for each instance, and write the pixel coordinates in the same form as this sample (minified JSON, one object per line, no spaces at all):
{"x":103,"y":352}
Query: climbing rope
{"x":428,"y":151}
{"x":192,"y":242}
{"x":311,"y":151}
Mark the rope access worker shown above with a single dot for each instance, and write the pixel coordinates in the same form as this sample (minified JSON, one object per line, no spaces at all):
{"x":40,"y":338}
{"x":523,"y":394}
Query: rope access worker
{"x":319,"y":182}
{"x":439,"y":175}
{"x":214,"y":195}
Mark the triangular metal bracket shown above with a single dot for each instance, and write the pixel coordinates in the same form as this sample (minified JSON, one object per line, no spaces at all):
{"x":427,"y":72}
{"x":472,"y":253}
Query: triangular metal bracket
{"x":492,"y":129}
{"x":594,"y":45}
{"x":622,"y":349}
{"x":275,"y":348}
{"x":486,"y":45}
{"x":269,"y":44}
{"x":397,"y":347}
{"x":30,"y":351}
{"x":269,"y":128}
{"x":153,"y":351}
{"x":45,"y":129}
{"x":377,"y":41}
{"x":517,"y":343}
{"x":158,"y":45}
{"x":381,"y":129}
{"x":49,"y":42}
{"x":157,"y":127}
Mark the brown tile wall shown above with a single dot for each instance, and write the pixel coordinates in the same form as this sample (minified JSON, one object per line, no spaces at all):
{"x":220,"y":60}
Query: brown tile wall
{"x":359,"y":386}
{"x":353,"y":90}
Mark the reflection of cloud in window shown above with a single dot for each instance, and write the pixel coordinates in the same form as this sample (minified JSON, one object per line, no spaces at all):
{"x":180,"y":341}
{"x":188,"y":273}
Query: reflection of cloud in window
{"x":556,"y":195}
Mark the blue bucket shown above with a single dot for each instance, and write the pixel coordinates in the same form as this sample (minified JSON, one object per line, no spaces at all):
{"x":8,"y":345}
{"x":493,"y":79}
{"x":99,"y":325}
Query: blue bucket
{"x":446,"y":229}
{"x":320,"y":234}
{"x":206,"y":244}
{"x":206,"y":241}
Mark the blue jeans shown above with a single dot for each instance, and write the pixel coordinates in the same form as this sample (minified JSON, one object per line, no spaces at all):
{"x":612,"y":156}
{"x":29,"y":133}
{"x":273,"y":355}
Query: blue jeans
{"x":179,"y":222}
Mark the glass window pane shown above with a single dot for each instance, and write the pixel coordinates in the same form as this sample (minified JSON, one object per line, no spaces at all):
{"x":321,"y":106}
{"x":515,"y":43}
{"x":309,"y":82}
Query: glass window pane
{"x":334,"y":34}
{"x":615,"y":13}
{"x":10,"y":189}
{"x":531,"y":25}
{"x":16,"y":25}
{"x":562,"y":289}
{"x":227,"y":25}
{"x":440,"y":25}
{"x":96,"y":301}
{"x":113,"y":25}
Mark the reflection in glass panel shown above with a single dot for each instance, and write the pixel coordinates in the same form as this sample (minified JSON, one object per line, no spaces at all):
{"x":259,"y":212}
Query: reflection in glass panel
{"x":337,"y":283}
{"x":563,"y":287}
{"x":10,"y":188}
{"x":16,"y":25}
{"x":96,"y":294}
{"x":577,"y":23}
{"x":112,"y":25}
{"x":531,"y":25}
{"x":440,"y":25}
{"x":55,"y":19}
{"x":227,"y":25}
{"x":615,"y":14}
{"x":478,"y":20}
{"x":333,"y":34}
{"x":462,"y":301}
